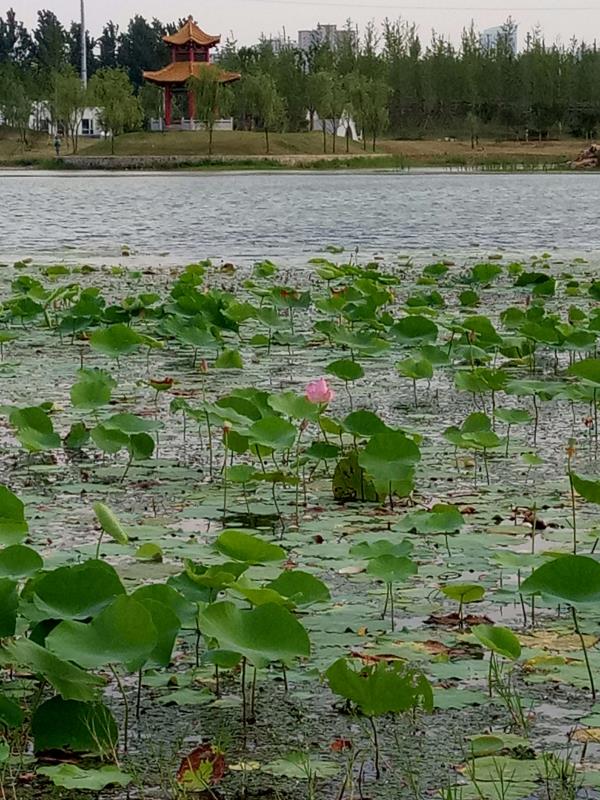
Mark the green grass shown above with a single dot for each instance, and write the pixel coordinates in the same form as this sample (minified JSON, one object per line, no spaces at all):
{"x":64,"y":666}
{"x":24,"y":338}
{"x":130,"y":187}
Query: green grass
{"x":246,"y":150}
{"x":229,"y":143}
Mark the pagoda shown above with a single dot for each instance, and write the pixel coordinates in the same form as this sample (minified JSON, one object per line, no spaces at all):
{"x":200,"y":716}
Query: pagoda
{"x":190,"y":54}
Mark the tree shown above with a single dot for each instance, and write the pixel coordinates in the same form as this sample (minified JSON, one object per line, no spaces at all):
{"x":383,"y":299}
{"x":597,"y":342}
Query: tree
{"x":16,"y":46}
{"x":109,"y":46}
{"x":50,"y":46}
{"x":358,"y":90}
{"x":212,"y":99}
{"x":377,"y":115}
{"x":151,"y":101}
{"x":112,"y":91}
{"x":68,"y":102}
{"x":323,"y":100}
{"x":338,"y":102}
{"x":74,"y":46}
{"x":141,"y":48}
{"x":316,"y":94}
{"x":264,"y":102}
{"x":16,"y":100}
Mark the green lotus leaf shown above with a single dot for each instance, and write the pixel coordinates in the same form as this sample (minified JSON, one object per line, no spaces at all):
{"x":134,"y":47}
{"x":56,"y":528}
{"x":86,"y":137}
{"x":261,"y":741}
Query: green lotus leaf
{"x":264,"y":634}
{"x":19,"y":561}
{"x":13,"y":525}
{"x":243,"y":546}
{"x":573,"y":579}
{"x":77,"y":592}
{"x":498,"y":639}
{"x":123,"y":633}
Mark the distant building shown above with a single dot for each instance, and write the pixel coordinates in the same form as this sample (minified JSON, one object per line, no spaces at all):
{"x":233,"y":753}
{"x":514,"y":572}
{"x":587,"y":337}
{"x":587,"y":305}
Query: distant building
{"x":346,"y":126}
{"x":280,"y":42}
{"x":41,"y":120}
{"x":325,"y":34}
{"x":490,"y":37}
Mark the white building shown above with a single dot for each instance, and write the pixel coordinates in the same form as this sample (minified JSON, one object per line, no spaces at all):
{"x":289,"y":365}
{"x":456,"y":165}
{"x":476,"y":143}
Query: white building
{"x":88,"y":125}
{"x":490,"y":37}
{"x":325,"y":34}
{"x":281,"y":42}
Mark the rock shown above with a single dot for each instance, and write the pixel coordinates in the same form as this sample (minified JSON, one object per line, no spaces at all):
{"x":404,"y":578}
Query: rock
{"x":588,"y":158}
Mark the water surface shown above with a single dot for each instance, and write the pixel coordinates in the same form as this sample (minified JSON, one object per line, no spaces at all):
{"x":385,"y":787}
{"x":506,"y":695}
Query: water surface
{"x":179,"y":217}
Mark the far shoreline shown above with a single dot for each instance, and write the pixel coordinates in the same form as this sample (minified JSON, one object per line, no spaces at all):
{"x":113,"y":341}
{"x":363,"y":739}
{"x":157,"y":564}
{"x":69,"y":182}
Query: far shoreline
{"x":147,"y":165}
{"x":243,"y":151}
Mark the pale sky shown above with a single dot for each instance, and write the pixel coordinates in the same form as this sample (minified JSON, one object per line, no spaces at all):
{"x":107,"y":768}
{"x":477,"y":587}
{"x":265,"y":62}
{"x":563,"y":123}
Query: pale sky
{"x":247,"y":19}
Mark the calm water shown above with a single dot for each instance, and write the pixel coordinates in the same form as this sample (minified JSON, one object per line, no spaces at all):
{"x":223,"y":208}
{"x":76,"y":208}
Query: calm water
{"x":243,"y":216}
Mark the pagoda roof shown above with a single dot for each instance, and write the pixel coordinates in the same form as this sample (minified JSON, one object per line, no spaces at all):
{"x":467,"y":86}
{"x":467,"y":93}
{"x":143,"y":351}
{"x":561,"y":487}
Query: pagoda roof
{"x":190,"y":32}
{"x":181,"y":71}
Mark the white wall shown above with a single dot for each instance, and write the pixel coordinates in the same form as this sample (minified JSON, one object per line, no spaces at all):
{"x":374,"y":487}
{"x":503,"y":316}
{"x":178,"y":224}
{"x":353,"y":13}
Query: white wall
{"x":343,"y":125}
{"x":40,"y":120}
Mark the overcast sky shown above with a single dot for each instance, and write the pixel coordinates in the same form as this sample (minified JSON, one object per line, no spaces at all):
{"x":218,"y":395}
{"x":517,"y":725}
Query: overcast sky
{"x":247,"y":19}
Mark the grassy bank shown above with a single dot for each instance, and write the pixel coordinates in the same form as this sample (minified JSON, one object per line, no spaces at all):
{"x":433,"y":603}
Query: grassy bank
{"x":246,"y":150}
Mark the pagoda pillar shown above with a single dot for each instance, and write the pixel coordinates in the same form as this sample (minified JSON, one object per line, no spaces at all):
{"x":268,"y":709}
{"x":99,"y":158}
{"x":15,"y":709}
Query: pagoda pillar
{"x":168,"y":105}
{"x":191,"y":105}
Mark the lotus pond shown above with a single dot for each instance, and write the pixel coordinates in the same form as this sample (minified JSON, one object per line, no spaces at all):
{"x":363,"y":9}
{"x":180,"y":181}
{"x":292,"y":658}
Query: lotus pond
{"x":320,"y":534}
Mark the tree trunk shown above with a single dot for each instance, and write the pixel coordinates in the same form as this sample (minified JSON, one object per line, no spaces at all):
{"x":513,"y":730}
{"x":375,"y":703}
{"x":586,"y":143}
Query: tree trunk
{"x":374,"y":141}
{"x":210,"y":140}
{"x":334,"y":126}
{"x":112,"y":143}
{"x":348,"y":139}
{"x":324,"y":127}
{"x":267,"y":139}
{"x":312,"y":119}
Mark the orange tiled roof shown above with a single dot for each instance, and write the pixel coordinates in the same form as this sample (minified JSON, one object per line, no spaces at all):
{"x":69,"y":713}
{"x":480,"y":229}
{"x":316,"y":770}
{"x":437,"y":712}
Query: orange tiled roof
{"x":190,"y":32}
{"x":180,"y":71}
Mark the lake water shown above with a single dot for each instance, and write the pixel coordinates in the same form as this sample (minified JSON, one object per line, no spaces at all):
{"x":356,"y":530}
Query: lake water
{"x":180,"y":217}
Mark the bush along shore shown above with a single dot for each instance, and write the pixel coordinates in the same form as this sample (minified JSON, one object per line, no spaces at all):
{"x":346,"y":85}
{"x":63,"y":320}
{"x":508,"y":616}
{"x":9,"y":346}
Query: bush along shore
{"x":322,"y":532}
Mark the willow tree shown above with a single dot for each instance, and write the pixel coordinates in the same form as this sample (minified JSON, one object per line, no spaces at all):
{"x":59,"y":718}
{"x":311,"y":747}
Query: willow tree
{"x":264,"y":102}
{"x":212,"y":99}
{"x":68,"y":101}
{"x":377,"y":115}
{"x":119,"y":109}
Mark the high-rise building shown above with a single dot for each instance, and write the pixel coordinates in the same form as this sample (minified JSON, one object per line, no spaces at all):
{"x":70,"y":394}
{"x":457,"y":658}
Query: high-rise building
{"x":490,"y":37}
{"x":322,"y":34}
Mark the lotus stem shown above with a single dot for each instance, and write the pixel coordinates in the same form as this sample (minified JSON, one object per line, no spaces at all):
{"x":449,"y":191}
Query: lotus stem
{"x":198,"y":635}
{"x":573,"y":511}
{"x":127,"y":466}
{"x":253,"y":696}
{"x":225,"y":480}
{"x":99,"y":543}
{"x":210,"y":449}
{"x":346,"y":384}
{"x":595,"y":426}
{"x":376,"y":746}
{"x":485,"y":464}
{"x":244,"y":707}
{"x":387,"y":598}
{"x":125,"y":708}
{"x":585,"y":652}
{"x":138,"y":701}
{"x":536,"y":419}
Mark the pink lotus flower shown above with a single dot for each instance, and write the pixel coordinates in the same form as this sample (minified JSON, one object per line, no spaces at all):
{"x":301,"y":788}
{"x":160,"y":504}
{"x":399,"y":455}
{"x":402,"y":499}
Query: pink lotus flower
{"x":319,"y":392}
